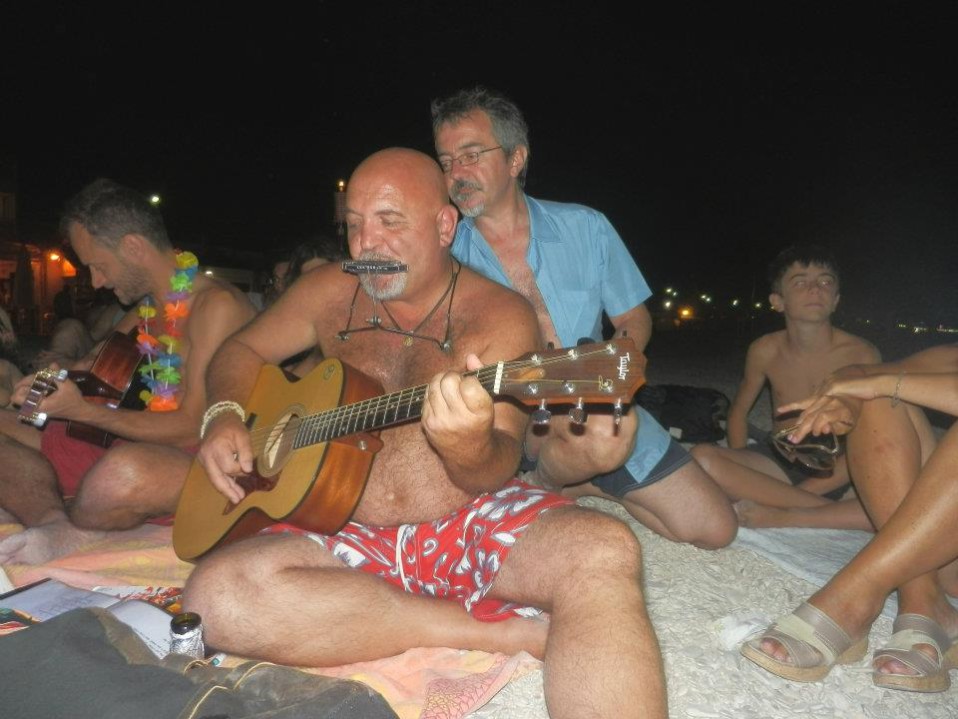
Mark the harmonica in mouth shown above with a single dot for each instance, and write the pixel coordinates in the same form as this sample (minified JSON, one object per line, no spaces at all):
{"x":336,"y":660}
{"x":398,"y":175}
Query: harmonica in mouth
{"x":373,"y":267}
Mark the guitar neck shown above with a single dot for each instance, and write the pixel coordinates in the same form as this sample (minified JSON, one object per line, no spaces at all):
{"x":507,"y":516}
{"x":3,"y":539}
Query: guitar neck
{"x":372,"y":414}
{"x":606,"y":373}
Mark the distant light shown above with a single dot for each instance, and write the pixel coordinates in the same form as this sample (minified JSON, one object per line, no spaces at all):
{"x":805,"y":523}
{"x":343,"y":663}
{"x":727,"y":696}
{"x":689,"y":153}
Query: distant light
{"x":667,"y":304}
{"x":341,"y":185}
{"x":685,"y":312}
{"x":54,"y":256}
{"x":734,"y":303}
{"x":758,"y":305}
{"x":154,"y":199}
{"x":668,"y":290}
{"x":208,"y":273}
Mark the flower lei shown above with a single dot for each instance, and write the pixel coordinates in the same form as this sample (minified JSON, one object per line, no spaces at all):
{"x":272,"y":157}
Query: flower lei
{"x":160,"y":372}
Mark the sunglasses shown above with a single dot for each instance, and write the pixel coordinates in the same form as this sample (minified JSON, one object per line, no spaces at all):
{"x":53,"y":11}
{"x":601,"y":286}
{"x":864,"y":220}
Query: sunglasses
{"x":820,"y":453}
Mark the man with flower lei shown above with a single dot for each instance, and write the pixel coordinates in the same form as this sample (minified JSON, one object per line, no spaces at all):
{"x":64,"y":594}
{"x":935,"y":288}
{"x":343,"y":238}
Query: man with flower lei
{"x":67,"y":491}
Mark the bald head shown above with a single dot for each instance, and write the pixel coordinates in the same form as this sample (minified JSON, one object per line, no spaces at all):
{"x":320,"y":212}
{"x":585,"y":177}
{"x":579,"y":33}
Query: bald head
{"x":397,"y":208}
{"x":413,"y":174}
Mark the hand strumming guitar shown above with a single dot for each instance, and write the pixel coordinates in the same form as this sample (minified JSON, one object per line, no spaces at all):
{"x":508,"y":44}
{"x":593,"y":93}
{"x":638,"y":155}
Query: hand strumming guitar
{"x":227,"y":453}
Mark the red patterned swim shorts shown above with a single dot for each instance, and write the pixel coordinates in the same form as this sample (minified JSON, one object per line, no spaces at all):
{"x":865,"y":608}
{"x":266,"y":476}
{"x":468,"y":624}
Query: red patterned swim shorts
{"x":456,"y":557}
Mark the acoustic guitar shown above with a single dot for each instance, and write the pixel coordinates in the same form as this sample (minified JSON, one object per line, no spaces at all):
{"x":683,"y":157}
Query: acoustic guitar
{"x":314,"y":443}
{"x":112,"y":381}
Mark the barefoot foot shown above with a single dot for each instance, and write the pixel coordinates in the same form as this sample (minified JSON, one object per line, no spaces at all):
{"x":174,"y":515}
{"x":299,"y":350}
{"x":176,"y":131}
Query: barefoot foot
{"x":40,"y":544}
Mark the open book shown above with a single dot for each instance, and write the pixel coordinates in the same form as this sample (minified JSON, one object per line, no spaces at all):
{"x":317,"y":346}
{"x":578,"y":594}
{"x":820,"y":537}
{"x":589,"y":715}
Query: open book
{"x":139,"y":607}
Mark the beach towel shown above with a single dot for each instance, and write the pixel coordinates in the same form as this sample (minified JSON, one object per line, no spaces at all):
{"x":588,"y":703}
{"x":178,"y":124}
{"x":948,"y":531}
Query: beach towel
{"x":423,"y":683}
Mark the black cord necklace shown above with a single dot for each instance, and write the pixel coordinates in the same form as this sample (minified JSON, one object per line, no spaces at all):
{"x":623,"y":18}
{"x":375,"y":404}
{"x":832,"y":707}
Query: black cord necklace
{"x":376,"y":322}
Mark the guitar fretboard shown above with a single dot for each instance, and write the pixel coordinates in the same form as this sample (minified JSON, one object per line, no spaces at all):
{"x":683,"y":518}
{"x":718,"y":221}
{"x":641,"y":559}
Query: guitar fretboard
{"x":372,"y":414}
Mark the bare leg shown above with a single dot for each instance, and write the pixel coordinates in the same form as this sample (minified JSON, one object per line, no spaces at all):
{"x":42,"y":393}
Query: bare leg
{"x":28,"y":490}
{"x":686,"y":506}
{"x":914,"y":520}
{"x":290,"y":601}
{"x":743,"y":474}
{"x":602,"y":657}
{"x":844,"y":514}
{"x":131,"y":483}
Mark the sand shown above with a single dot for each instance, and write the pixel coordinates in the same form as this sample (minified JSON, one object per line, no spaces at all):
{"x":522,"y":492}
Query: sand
{"x":698,"y":598}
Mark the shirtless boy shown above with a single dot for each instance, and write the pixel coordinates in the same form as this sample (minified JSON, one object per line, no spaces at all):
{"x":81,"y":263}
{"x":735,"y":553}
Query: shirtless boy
{"x":794,"y":362}
{"x":443,"y":535}
{"x":121,"y":237}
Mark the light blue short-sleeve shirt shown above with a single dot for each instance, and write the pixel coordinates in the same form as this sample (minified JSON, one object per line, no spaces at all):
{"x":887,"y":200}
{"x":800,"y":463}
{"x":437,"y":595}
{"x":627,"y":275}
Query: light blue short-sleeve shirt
{"x":582,"y":268}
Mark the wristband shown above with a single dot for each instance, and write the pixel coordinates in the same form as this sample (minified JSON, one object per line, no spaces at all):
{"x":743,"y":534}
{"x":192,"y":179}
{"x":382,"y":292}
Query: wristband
{"x":895,"y":399}
{"x":217,"y":409}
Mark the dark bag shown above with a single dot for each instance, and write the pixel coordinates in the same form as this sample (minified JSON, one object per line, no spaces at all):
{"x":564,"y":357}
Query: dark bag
{"x":690,"y":414}
{"x":87,"y":664}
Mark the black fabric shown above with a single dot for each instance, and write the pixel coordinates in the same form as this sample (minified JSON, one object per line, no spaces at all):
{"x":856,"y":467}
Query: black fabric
{"x":691,"y":414}
{"x":86,"y":664}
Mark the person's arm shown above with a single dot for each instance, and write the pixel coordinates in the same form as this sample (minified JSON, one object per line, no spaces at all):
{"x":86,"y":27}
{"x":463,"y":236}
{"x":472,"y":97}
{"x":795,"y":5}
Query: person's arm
{"x":753,"y":382}
{"x":928,"y":378}
{"x":214,"y":316}
{"x":480,"y":441}
{"x":635,"y":323}
{"x":282,"y":330}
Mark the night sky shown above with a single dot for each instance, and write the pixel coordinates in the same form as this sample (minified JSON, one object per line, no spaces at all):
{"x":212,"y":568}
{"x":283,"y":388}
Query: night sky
{"x":710,"y":137}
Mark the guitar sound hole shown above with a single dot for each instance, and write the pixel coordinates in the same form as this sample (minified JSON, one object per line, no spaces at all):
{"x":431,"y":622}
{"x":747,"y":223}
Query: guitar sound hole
{"x":277,"y":444}
{"x":256,"y":483}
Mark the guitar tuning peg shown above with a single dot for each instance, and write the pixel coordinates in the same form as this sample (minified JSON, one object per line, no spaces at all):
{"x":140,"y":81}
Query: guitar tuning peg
{"x":550,"y":345}
{"x":617,"y":412}
{"x":542,"y":415}
{"x":577,"y":413}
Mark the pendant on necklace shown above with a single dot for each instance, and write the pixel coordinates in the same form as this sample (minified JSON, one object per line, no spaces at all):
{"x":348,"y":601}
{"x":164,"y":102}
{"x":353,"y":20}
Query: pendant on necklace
{"x":407,"y":342}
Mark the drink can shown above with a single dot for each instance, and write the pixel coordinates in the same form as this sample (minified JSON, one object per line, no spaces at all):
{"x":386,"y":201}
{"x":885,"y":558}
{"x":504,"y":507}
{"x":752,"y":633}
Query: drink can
{"x":186,"y":635}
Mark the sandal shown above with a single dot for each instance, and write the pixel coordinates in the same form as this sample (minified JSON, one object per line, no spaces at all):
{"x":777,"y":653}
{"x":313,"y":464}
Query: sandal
{"x":931,"y":675}
{"x":814,"y":644}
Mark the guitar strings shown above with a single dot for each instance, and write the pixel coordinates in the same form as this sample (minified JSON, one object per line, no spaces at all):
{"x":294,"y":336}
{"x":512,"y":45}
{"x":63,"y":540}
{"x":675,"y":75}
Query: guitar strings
{"x":262,"y":437}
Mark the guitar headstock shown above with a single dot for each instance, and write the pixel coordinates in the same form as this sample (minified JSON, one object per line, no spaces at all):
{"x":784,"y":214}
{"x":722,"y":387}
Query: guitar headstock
{"x":602,"y":372}
{"x":44,"y":382}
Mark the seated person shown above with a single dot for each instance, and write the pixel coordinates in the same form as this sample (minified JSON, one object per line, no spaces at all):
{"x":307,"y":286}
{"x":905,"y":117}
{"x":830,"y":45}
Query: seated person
{"x":760,"y":479}
{"x":104,"y":314}
{"x":70,"y":339}
{"x":444,"y":538}
{"x":10,"y":375}
{"x":10,"y":372}
{"x":570,"y":263}
{"x":310,"y":254}
{"x":67,"y":491}
{"x":910,"y":490}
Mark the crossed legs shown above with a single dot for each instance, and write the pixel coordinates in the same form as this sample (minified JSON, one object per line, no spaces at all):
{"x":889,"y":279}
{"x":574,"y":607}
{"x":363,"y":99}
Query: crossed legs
{"x":129,"y":484}
{"x":286,"y":599}
{"x":914,"y":508}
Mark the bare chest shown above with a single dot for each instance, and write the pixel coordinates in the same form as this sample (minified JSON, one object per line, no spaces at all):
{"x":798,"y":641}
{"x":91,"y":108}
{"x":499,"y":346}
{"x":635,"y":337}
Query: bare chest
{"x":524,"y":282}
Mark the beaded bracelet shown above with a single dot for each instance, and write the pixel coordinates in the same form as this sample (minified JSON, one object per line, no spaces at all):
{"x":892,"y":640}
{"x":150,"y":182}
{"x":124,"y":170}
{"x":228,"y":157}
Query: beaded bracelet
{"x":217,"y":409}
{"x":895,"y":399}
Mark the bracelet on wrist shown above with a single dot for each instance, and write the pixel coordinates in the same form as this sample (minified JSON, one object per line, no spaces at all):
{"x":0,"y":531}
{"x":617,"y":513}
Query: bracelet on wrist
{"x":215,"y":410}
{"x":895,"y":398}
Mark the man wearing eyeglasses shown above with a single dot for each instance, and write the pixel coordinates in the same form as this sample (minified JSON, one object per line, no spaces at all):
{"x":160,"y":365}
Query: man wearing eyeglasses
{"x":570,"y":263}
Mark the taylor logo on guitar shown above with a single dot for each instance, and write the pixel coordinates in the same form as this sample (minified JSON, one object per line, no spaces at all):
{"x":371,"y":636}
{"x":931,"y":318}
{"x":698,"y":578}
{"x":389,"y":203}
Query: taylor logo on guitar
{"x":107,"y":382}
{"x":313,"y":440}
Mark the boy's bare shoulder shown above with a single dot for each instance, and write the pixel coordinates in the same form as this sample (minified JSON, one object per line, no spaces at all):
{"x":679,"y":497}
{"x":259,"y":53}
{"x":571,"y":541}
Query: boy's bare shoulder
{"x":767,"y":346}
{"x":860,"y":349}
